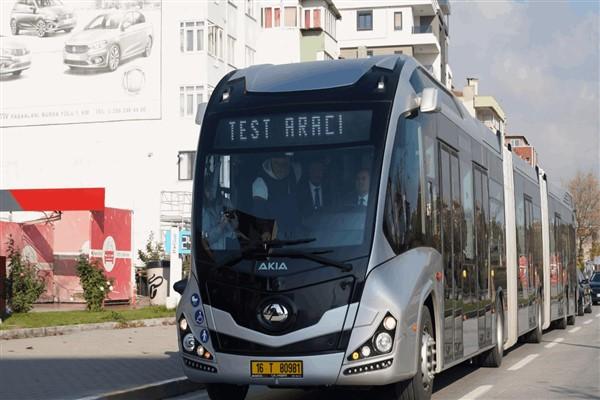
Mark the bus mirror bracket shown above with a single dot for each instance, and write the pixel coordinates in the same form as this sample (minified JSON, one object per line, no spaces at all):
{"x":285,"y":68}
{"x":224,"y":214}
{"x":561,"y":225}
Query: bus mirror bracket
{"x":429,"y":100}
{"x":200,"y":113}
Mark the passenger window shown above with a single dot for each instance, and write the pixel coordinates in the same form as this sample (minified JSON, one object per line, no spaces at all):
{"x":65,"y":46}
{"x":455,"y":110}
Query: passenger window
{"x":402,"y":223}
{"x":467,"y":193}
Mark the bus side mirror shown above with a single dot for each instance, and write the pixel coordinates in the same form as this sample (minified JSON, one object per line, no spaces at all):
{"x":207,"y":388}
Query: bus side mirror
{"x":429,"y":100}
{"x":179,"y":286}
{"x":200,"y":113}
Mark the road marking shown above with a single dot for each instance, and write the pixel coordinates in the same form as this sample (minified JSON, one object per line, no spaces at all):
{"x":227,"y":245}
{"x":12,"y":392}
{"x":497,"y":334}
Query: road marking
{"x":473,"y":394}
{"x":523,"y":362}
{"x":573,"y":330}
{"x":589,"y":321}
{"x":598,"y":315}
{"x":554,"y":343}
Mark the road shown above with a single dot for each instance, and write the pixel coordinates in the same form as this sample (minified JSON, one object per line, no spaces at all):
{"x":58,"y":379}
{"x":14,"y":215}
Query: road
{"x":566,"y":365}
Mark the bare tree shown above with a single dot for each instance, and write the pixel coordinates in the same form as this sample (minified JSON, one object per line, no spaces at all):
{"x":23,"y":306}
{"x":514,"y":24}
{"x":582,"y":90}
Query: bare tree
{"x":585,"y":188}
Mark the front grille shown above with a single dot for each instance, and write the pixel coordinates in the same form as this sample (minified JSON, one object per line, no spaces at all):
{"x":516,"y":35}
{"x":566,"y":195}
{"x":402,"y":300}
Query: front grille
{"x":76,"y":49}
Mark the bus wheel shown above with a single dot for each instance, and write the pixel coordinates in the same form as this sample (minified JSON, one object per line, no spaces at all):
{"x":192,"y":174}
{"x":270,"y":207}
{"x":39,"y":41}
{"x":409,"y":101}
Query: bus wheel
{"x":493,"y":357}
{"x":221,"y":391}
{"x":571,"y":320}
{"x":535,"y":336}
{"x":562,"y":323}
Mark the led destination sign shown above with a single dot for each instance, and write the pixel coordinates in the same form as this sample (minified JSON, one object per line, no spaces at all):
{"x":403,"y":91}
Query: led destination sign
{"x":294,"y":129}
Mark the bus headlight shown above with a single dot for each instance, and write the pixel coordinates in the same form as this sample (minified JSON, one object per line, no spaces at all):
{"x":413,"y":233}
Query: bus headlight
{"x":183,"y":324}
{"x":189,"y":343}
{"x":380,"y":343}
{"x":383,"y":342}
{"x":389,"y":323}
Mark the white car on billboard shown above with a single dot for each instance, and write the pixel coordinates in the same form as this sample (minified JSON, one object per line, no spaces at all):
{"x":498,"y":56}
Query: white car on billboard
{"x":108,"y":40}
{"x":14,"y":57}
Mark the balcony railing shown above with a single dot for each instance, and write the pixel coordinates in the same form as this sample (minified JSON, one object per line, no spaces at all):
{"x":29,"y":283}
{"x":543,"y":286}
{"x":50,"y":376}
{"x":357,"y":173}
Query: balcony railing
{"x":422,"y":29}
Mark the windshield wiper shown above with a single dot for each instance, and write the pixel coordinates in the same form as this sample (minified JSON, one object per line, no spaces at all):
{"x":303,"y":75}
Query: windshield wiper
{"x":261,"y":249}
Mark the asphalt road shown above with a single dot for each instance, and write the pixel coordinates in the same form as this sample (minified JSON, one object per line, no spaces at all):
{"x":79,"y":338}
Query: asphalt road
{"x":566,"y":365}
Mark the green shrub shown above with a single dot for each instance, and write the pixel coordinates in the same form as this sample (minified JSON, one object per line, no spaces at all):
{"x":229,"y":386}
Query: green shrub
{"x":25,"y":284}
{"x":94,"y":283}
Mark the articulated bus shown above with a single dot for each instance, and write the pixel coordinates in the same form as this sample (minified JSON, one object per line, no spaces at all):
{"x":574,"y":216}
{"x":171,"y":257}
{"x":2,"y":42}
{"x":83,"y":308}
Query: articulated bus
{"x":354,"y":226}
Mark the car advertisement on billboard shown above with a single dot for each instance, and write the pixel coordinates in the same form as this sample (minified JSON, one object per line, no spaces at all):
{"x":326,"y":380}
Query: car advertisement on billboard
{"x":79,"y":61}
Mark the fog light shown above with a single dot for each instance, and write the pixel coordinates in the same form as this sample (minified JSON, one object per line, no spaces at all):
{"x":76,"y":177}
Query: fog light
{"x":200,"y":351}
{"x":355,"y":356}
{"x":97,"y":60}
{"x":365,"y":351}
{"x":383,"y":342}
{"x":389,"y":323}
{"x":189,"y":342}
{"x":183,"y":325}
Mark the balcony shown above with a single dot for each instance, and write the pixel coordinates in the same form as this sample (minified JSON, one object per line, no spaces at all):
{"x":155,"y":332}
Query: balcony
{"x":418,"y":29}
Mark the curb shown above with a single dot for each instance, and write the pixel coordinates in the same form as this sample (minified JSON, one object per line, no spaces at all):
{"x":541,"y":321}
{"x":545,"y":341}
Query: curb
{"x":153,"y":391}
{"x":68,"y":329}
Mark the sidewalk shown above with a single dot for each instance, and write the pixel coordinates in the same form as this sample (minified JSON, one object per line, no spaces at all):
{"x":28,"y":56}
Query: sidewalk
{"x":87,"y":363}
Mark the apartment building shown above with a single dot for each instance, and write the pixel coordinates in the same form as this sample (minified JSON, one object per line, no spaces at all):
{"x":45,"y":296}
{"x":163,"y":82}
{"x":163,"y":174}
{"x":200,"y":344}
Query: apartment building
{"x":419,"y":28}
{"x":484,"y":108}
{"x":298,"y":30}
{"x":521,"y":147}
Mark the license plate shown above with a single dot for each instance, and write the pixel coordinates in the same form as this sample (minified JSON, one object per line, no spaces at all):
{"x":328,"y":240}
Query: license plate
{"x":276,"y":369}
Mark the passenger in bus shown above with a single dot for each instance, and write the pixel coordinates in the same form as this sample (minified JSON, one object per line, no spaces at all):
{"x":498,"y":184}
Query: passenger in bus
{"x":313,"y":193}
{"x":274,"y":193}
{"x":218,"y":224}
{"x":360,"y":196}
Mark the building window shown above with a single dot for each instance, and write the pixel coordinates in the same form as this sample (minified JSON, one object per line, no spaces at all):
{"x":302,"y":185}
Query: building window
{"x":277,"y":17}
{"x":186,"y":160}
{"x":369,"y":53}
{"x":191,"y":35}
{"x":250,"y":8}
{"x":189,"y":98}
{"x":397,"y":21}
{"x":364,"y":20}
{"x":215,"y":40}
{"x":267,"y":18}
{"x":317,"y":19}
{"x":250,"y":52}
{"x":291,"y":16}
{"x":307,"y":19}
{"x":231,"y":50}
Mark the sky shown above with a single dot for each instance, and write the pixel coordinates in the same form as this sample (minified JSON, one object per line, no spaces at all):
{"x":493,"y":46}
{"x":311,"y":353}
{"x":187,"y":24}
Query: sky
{"x":541,"y":61}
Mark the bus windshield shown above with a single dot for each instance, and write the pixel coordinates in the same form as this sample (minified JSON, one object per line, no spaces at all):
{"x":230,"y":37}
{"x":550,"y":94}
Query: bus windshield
{"x":319,"y":198}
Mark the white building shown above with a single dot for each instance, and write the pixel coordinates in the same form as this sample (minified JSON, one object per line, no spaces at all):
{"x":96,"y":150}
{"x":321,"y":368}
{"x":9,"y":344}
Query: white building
{"x":134,"y":158}
{"x":418,"y":28}
{"x":297,"y":30}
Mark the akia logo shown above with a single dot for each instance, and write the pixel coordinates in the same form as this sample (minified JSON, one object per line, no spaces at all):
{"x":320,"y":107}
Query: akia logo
{"x":272,"y":266}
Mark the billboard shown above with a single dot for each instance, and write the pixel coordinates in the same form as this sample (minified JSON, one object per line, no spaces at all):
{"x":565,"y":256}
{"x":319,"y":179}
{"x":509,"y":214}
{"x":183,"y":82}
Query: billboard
{"x":79,"y":61}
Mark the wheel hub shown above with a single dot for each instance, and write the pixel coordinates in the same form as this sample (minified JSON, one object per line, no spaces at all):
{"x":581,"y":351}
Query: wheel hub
{"x":428,"y":359}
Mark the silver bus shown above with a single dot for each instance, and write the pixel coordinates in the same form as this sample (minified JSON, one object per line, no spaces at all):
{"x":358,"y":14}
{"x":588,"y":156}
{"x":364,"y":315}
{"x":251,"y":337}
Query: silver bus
{"x":354,"y":226}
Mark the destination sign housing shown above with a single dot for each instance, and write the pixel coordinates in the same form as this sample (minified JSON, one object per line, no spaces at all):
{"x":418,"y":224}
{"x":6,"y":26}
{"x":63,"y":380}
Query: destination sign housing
{"x":294,"y":129}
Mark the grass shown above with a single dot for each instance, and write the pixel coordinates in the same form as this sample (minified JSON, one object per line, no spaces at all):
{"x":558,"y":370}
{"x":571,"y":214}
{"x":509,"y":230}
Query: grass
{"x":54,"y":318}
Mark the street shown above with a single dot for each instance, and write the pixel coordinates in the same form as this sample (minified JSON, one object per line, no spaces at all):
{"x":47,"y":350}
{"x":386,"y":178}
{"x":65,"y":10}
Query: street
{"x":565,"y":365}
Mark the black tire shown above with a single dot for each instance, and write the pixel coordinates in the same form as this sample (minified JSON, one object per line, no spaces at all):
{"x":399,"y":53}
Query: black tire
{"x":571,"y":320}
{"x":148,"y":48}
{"x":588,"y":309}
{"x":535,"y":336}
{"x":17,"y":73}
{"x":580,"y":309}
{"x":221,"y":391}
{"x":14,"y":27}
{"x":68,"y":30}
{"x":493,"y":357}
{"x":562,"y":323}
{"x":415,"y":388}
